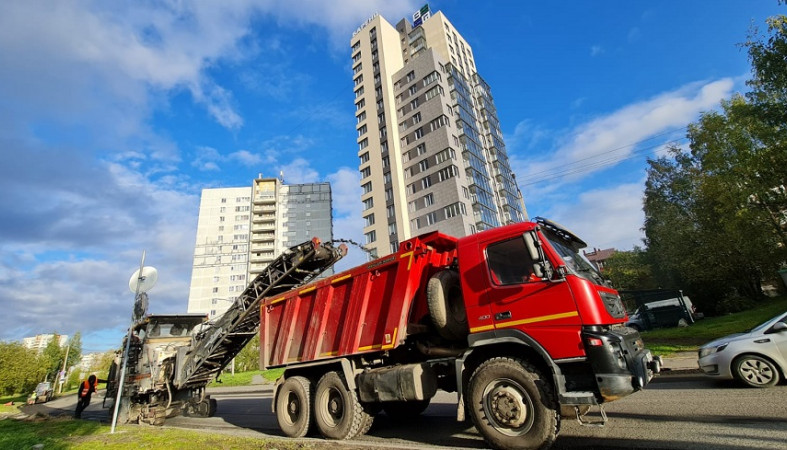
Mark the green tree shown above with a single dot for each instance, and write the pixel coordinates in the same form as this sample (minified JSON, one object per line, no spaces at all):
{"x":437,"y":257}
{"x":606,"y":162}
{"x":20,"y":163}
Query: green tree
{"x":74,"y":350}
{"x":630,"y":270}
{"x":52,"y":358}
{"x":20,"y":368}
{"x":715,"y":215}
{"x":249,"y":357}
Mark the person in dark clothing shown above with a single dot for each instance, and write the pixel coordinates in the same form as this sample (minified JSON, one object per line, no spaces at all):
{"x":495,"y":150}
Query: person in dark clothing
{"x":86,"y":389}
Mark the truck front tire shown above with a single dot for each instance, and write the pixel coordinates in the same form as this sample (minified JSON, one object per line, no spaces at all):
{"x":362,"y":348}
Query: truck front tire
{"x":293,"y":407}
{"x":446,"y":306}
{"x":513,"y":405}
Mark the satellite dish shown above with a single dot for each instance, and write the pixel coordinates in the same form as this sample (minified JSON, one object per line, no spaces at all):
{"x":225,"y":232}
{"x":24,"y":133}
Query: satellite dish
{"x":143,"y":281}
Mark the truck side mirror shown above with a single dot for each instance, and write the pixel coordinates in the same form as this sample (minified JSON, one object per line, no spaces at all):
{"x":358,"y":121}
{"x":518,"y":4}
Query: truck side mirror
{"x":541,"y":267}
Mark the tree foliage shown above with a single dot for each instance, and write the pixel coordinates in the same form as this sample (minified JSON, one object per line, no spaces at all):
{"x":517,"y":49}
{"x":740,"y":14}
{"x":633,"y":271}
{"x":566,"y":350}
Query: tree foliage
{"x":249,"y":357}
{"x":715,"y":214}
{"x":630,"y":270}
{"x":20,"y":368}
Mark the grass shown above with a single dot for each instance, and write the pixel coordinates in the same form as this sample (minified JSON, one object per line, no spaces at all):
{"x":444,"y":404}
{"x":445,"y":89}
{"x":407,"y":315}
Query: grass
{"x":67,"y":433}
{"x":666,"y":341}
{"x":11,"y":409}
{"x":246,"y":378}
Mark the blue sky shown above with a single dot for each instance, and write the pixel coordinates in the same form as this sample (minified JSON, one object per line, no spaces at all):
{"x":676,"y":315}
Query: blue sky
{"x":115,"y":115}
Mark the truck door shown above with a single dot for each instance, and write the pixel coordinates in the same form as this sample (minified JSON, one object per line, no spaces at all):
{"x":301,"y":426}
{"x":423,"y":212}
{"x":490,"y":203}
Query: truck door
{"x":519,"y":299}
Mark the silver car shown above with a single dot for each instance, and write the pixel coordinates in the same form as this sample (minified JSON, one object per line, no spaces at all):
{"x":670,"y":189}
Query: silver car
{"x":757,"y":357}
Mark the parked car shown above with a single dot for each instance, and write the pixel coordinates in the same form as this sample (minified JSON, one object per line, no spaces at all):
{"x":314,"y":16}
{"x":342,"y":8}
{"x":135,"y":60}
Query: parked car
{"x":660,"y":308}
{"x":757,"y":357}
{"x":44,"y":392}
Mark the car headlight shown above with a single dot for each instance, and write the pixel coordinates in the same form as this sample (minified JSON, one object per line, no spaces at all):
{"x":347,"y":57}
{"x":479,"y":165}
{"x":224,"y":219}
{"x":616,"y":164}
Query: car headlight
{"x":705,"y":351}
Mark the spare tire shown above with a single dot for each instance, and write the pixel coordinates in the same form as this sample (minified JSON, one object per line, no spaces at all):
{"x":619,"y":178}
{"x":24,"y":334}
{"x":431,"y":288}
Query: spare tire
{"x":446,"y":306}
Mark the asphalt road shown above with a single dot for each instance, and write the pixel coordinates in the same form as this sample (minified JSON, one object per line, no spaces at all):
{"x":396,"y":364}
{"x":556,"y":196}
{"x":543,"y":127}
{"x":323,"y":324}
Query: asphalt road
{"x":675,"y":412}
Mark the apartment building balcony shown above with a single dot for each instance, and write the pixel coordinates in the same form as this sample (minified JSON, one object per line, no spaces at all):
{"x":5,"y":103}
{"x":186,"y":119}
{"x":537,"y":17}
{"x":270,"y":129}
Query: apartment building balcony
{"x":263,"y":199}
{"x":263,"y":237}
{"x":266,"y":217}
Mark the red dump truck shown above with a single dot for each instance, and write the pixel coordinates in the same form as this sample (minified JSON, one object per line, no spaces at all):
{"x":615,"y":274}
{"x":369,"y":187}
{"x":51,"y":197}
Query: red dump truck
{"x":513,"y":319}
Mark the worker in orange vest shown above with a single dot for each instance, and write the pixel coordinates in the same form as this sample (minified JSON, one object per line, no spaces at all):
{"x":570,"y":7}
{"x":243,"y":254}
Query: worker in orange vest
{"x":86,"y":389}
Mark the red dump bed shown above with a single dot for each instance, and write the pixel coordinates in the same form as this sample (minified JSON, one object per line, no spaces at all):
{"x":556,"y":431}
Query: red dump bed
{"x":364,"y":309}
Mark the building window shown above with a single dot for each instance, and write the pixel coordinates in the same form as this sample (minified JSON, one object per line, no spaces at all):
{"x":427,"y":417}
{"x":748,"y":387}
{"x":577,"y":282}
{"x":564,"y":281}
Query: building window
{"x":448,"y":172}
{"x":369,"y":220}
{"x":389,"y":195}
{"x":357,"y":69}
{"x":370,"y":237}
{"x":368,"y":203}
{"x":363,"y":144}
{"x":390,"y":211}
{"x":428,"y":200}
{"x":434,"y":92}
{"x":361,"y":117}
{"x":394,"y":246}
{"x":410,"y":76}
{"x":386,"y":177}
{"x":414,"y":103}
{"x":445,"y":155}
{"x":426,"y":182}
{"x":365,"y":172}
{"x":423,"y":165}
{"x":383,"y":132}
{"x":420,"y":149}
{"x":391,"y":228}
{"x":413,"y":89}
{"x":362,"y":130}
{"x":367,"y":187}
{"x":419,"y":133}
{"x":358,"y":80}
{"x":359,"y":92}
{"x":356,"y":57}
{"x":360,"y":105}
{"x":364,"y":157}
{"x":431,"y":78}
{"x":386,"y":162}
{"x":431,"y":218}
{"x":416,"y":118}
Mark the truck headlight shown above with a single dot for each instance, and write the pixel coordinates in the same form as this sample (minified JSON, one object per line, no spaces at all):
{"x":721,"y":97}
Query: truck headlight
{"x":705,"y":351}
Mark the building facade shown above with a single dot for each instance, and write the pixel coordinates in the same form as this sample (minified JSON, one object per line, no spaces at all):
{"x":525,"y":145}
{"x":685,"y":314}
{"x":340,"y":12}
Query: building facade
{"x":241,"y":230}
{"x":431,"y":152}
{"x":40,"y":341}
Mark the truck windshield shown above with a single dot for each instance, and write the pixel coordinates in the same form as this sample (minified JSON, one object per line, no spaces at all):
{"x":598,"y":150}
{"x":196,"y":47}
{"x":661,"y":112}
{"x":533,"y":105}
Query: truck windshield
{"x":575,"y":262}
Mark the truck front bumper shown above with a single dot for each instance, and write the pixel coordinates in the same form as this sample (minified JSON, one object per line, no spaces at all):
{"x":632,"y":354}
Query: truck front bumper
{"x":621,"y":363}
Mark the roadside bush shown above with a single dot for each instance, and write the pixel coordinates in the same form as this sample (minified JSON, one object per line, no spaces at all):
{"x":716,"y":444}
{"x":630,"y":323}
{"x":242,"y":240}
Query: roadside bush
{"x":733,"y":304}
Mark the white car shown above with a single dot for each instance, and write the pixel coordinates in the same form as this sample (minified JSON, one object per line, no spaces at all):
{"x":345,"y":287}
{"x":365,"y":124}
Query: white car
{"x":757,"y":357}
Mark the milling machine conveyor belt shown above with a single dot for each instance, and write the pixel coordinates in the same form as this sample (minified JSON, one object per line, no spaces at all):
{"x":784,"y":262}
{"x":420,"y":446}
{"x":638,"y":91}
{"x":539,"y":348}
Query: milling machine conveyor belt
{"x":215,"y":347}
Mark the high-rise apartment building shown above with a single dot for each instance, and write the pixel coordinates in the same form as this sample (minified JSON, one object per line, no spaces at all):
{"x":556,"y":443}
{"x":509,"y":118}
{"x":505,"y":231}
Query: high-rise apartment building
{"x":431,"y":151}
{"x":241,"y":230}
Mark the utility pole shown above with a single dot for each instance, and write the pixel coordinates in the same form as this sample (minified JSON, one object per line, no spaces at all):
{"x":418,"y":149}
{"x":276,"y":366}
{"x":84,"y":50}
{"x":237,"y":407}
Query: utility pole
{"x":63,"y":372}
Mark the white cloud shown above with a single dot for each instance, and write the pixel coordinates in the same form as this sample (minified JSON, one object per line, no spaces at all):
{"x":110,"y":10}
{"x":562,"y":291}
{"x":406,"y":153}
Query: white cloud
{"x":246,"y":158}
{"x":605,"y":218}
{"x":596,"y":50}
{"x":608,"y":140}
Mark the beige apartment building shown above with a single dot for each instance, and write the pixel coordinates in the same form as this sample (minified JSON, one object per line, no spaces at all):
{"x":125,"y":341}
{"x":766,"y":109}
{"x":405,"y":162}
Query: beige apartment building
{"x":241,"y":230}
{"x":432,"y":155}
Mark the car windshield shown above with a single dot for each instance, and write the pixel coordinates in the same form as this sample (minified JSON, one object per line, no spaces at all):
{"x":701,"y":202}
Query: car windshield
{"x":763,"y":325}
{"x":575,"y":262}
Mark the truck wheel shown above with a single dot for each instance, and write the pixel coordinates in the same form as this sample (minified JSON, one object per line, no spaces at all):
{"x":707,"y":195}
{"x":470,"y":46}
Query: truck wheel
{"x":399,"y":411}
{"x":755,"y":371}
{"x":293,"y":407}
{"x":513,"y":405}
{"x":446,"y":306}
{"x":337,"y":411}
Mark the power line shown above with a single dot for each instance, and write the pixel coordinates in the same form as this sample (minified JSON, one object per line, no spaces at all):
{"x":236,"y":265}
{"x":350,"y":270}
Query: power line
{"x":570,"y":169}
